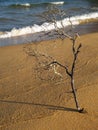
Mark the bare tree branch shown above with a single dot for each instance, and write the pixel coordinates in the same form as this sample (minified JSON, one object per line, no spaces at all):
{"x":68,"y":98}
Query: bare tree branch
{"x":64,"y":67}
{"x":51,"y":16}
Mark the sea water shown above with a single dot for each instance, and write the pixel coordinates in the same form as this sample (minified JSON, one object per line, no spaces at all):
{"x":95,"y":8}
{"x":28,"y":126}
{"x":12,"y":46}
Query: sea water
{"x":19,"y":21}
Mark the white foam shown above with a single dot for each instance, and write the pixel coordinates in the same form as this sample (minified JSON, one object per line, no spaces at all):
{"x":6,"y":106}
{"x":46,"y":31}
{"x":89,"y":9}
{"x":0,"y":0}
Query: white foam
{"x":47,"y":26}
{"x":26,"y":4}
{"x":57,"y":3}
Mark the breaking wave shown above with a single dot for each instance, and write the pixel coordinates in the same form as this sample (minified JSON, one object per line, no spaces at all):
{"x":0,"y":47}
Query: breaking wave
{"x":57,"y":3}
{"x":76,"y":20}
{"x":36,"y":4}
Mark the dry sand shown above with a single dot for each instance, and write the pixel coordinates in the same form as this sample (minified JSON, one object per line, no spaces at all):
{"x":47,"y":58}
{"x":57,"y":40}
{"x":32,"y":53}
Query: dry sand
{"x":29,"y":103}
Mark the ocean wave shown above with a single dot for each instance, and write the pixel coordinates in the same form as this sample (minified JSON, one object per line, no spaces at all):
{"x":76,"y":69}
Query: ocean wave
{"x":20,"y":5}
{"x":94,"y":8}
{"x":75,"y":20}
{"x":6,"y":19}
{"x":26,"y":4}
{"x":57,"y":3}
{"x":36,"y":4}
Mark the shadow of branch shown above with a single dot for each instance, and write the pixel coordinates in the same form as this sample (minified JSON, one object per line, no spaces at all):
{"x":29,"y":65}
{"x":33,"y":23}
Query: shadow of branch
{"x":51,"y":107}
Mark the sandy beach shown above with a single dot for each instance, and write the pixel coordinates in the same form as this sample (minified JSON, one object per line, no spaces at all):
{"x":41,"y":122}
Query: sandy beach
{"x":29,"y":103}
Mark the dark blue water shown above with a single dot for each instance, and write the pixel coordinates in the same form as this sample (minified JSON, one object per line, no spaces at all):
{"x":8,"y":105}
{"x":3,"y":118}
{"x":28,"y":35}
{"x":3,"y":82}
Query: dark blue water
{"x":21,"y":13}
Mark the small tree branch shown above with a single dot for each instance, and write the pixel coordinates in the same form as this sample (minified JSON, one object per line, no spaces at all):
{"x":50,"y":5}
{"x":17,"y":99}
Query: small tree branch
{"x":51,"y":16}
{"x":55,"y":62}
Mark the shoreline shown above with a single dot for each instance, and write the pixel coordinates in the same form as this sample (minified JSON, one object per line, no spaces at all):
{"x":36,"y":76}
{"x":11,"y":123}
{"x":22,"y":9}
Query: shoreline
{"x":42,"y":36}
